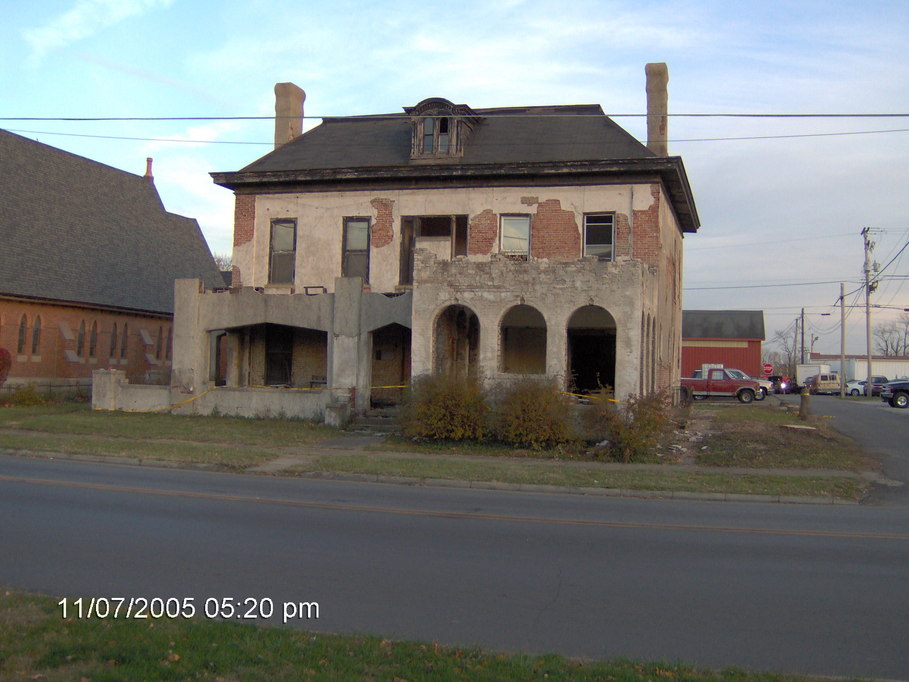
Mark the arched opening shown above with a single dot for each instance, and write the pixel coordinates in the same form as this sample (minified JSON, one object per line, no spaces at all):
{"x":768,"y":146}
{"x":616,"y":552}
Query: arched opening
{"x":522,"y":341}
{"x":457,"y":342}
{"x":390,"y":364}
{"x":591,"y":348}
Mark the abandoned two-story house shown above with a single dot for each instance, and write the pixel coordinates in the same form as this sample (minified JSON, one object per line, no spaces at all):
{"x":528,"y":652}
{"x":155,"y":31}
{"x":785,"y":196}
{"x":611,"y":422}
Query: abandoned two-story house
{"x":496,"y":243}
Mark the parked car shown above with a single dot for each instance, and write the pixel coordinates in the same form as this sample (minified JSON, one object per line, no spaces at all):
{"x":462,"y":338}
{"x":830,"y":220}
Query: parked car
{"x":719,"y":383}
{"x":896,"y":393}
{"x":855,"y":387}
{"x":877,"y":385}
{"x":780,"y":384}
{"x":765,"y":384}
{"x":824,"y":383}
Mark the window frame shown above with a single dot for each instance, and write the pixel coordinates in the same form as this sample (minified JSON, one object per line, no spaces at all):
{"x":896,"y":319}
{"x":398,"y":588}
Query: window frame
{"x":586,"y":243}
{"x":273,"y":253}
{"x":502,"y":237}
{"x":346,"y":252}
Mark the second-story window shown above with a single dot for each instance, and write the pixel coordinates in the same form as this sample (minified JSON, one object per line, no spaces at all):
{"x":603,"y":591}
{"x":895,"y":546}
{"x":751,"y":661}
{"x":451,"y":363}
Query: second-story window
{"x":515,"y":235}
{"x":599,"y":236}
{"x":355,"y":259}
{"x":282,"y":251}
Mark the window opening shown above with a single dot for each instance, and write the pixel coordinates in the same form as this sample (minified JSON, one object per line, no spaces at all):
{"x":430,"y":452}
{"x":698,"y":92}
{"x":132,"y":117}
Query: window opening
{"x":93,"y":340}
{"x":36,"y":336}
{"x":516,"y":234}
{"x":355,"y":261}
{"x":23,"y":325}
{"x":113,"y":341}
{"x":428,"y":135}
{"x":599,"y":236}
{"x":283,"y":250}
{"x":124,"y":342}
{"x":443,"y":135}
{"x":80,"y":340}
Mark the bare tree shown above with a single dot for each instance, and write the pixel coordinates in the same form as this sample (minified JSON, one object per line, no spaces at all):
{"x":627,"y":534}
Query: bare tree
{"x":788,"y":353}
{"x":223,"y":261}
{"x":890,"y":338}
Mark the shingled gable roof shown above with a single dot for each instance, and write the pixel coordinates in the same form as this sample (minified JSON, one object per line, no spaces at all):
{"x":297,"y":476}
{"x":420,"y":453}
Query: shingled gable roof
{"x":723,"y":324}
{"x":517,"y":141}
{"x":74,"y":230}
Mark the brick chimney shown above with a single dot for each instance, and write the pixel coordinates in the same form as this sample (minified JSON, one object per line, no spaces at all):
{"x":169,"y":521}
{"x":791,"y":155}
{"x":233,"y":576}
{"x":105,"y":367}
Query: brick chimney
{"x":148,"y":169}
{"x":288,"y":112}
{"x":657,"y":108}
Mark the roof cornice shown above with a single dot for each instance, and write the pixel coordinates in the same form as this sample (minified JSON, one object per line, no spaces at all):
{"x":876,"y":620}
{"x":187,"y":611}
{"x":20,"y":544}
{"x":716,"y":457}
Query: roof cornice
{"x":670,"y":169}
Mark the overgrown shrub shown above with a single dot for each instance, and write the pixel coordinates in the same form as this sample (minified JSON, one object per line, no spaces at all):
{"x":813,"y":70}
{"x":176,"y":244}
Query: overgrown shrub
{"x":631,"y":429}
{"x":445,"y":408}
{"x":26,"y":396}
{"x":533,"y":414}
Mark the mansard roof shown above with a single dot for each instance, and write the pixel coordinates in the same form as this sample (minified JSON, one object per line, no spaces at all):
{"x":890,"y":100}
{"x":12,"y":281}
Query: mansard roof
{"x":77,"y":231}
{"x":560,"y":142}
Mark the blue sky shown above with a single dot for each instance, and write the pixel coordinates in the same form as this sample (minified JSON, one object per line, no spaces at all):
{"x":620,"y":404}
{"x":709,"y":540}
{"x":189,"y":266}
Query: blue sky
{"x":778,"y":210}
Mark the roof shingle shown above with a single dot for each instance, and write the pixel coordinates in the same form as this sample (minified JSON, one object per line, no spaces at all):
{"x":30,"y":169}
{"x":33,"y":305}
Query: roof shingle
{"x":77,"y":230}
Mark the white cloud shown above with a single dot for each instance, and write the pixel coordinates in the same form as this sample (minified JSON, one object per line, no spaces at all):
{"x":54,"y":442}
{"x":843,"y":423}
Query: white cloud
{"x":84,"y":19}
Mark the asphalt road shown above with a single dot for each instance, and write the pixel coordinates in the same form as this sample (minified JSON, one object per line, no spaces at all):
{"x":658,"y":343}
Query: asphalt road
{"x":802,"y":589}
{"x":880,"y":429}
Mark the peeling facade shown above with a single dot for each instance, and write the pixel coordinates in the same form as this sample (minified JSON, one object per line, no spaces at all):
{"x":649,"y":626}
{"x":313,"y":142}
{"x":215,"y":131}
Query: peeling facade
{"x":494,"y":243}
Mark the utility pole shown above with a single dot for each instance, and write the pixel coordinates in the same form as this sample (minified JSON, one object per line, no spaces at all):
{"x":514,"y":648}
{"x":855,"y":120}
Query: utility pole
{"x":869,"y":287}
{"x":802,"y":355}
{"x":842,"y":340}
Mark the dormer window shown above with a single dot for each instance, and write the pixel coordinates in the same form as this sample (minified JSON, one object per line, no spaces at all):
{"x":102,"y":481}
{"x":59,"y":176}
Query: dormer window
{"x":436,"y":135}
{"x":440,"y":128}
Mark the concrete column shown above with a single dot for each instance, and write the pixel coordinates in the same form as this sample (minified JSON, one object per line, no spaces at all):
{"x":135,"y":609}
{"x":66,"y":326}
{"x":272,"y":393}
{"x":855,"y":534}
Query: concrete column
{"x":190,"y":351}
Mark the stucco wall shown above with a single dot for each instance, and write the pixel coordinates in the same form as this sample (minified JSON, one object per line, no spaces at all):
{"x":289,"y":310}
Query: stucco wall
{"x":556,"y":289}
{"x":556,"y":212}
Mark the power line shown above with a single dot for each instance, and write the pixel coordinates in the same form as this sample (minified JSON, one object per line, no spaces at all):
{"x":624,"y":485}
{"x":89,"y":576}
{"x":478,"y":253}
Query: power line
{"x":82,"y":119}
{"x":535,"y":144}
{"x":761,"y":286}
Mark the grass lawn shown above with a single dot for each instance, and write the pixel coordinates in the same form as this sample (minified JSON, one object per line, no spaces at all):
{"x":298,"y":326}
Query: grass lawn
{"x":758,"y":436}
{"x":587,"y":475}
{"x":36,"y":643}
{"x":751,"y":436}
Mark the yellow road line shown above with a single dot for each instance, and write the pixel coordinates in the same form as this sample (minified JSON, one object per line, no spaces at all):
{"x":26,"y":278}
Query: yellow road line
{"x":435,"y":513}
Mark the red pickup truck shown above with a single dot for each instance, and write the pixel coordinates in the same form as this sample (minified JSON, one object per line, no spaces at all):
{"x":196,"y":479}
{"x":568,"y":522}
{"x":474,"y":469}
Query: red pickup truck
{"x":719,"y":383}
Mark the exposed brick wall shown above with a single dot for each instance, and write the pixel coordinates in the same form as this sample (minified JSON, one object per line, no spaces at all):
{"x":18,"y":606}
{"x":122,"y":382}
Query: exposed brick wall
{"x":482,"y":233}
{"x":244,"y":218}
{"x":57,"y":356}
{"x":647,"y":243}
{"x":622,"y":235}
{"x":554,"y":232}
{"x":382,"y":228}
{"x":236,"y":277}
